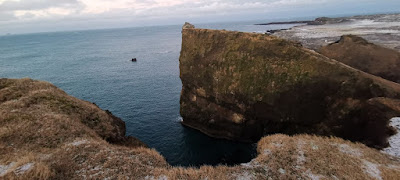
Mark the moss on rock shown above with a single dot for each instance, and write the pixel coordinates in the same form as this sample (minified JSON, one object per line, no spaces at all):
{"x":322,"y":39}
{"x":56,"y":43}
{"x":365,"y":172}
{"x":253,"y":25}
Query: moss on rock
{"x":277,"y":86}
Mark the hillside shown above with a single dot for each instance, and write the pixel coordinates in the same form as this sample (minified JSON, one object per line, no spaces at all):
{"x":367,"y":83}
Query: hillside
{"x":47,"y":134}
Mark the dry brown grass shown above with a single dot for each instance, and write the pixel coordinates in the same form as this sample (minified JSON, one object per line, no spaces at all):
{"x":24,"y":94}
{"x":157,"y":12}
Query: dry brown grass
{"x":55,"y":136}
{"x":306,"y":156}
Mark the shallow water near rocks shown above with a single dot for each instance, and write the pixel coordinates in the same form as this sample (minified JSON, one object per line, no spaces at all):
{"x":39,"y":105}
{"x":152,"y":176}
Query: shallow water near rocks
{"x":96,"y":66}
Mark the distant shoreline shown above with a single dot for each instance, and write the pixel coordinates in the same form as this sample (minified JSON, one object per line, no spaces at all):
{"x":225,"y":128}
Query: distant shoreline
{"x":326,"y":20}
{"x":284,"y":22}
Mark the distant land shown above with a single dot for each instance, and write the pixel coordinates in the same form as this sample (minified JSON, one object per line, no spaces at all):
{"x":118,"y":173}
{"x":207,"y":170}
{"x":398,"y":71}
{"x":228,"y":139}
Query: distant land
{"x":381,"y":29}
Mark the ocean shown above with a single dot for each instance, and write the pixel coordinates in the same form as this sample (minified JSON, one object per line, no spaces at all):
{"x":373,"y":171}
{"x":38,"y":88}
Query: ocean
{"x":95,"y":66}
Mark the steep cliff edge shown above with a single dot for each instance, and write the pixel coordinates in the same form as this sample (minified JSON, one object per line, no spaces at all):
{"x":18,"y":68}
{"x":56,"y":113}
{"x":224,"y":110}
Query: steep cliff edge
{"x":368,"y":57}
{"x":47,"y":134}
{"x":242,"y":86}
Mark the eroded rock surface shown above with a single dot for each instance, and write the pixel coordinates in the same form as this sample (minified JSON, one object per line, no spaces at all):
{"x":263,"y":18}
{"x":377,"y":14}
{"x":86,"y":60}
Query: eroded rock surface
{"x":358,"y":53}
{"x":242,"y":86}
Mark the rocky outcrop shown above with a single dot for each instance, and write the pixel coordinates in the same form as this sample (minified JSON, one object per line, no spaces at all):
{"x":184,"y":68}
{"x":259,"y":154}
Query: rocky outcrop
{"x":47,"y":134}
{"x":358,"y":53}
{"x":243,"y":86}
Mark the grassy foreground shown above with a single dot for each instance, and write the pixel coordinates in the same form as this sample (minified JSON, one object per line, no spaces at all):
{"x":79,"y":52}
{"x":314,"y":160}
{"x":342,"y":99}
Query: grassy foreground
{"x":47,"y":134}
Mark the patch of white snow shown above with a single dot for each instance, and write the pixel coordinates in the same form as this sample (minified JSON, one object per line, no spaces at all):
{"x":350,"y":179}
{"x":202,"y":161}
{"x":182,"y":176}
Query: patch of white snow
{"x":313,"y":176}
{"x":78,"y":142}
{"x":345,"y":148}
{"x":22,"y":169}
{"x":394,"y":141}
{"x":372,"y":169}
{"x":4,"y":168}
{"x":244,"y":176}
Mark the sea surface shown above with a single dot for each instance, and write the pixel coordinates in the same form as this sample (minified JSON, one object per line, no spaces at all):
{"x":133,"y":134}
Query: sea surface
{"x":95,"y":66}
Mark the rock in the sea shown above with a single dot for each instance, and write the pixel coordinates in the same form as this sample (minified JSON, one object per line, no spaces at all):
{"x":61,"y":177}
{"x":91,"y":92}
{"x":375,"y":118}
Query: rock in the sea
{"x":243,"y":86}
{"x":358,"y":53}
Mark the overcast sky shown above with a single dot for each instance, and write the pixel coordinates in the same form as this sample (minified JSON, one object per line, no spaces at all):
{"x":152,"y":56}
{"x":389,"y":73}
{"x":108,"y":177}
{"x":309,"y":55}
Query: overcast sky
{"x":26,"y":16}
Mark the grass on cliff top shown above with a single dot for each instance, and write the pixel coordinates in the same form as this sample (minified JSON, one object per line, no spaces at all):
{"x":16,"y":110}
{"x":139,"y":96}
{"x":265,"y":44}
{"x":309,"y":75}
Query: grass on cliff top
{"x":44,"y":135}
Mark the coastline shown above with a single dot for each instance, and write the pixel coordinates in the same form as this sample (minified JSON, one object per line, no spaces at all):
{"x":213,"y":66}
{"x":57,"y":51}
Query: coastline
{"x":381,"y":29}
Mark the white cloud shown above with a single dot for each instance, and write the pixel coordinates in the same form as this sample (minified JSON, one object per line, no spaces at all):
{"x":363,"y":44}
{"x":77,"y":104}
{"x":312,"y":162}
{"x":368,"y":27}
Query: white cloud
{"x":140,"y":8}
{"x":17,"y":12}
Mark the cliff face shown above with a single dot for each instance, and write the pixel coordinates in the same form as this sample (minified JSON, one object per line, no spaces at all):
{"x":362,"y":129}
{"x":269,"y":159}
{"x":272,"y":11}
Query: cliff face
{"x":358,"y":53}
{"x":242,"y":86}
{"x":47,"y":134}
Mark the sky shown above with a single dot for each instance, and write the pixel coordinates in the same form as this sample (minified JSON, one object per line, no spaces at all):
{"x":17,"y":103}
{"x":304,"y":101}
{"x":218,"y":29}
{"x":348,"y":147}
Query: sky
{"x":29,"y":16}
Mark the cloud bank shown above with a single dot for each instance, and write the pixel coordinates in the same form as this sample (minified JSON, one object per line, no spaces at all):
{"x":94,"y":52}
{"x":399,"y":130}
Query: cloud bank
{"x":64,"y":14}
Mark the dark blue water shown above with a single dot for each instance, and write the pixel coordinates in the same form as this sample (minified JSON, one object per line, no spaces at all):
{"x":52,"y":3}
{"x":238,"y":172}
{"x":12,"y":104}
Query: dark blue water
{"x":95,"y":66}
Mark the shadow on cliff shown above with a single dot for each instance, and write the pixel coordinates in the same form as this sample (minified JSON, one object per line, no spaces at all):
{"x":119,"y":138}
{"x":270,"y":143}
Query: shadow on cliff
{"x":319,"y":108}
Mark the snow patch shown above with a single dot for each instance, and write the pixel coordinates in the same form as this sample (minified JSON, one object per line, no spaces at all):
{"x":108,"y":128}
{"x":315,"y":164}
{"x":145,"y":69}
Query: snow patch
{"x":4,"y":168}
{"x":163,"y":177}
{"x":22,"y":169}
{"x":253,"y":163}
{"x":345,"y":148}
{"x":244,"y":176}
{"x":372,"y":169}
{"x":78,"y":142}
{"x":356,"y":27}
{"x":313,"y":176}
{"x":300,"y":158}
{"x":394,"y":141}
{"x":267,"y":152}
{"x":278,"y":145}
{"x":314,"y":146}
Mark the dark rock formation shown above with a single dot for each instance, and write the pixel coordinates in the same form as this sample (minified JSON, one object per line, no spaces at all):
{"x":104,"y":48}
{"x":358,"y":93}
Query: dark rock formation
{"x":242,"y":86}
{"x":358,"y":53}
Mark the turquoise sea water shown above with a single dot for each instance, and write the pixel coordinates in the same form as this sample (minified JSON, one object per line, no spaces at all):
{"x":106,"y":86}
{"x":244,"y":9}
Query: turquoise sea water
{"x":95,"y":66}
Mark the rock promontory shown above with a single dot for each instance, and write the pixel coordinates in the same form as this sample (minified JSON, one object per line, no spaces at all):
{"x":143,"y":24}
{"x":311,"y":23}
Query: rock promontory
{"x":243,"y":86}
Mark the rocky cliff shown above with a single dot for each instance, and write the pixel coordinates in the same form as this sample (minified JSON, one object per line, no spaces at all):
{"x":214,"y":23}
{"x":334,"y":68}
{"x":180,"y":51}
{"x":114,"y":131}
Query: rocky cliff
{"x":242,"y":86}
{"x":368,"y":57}
{"x":47,"y":134}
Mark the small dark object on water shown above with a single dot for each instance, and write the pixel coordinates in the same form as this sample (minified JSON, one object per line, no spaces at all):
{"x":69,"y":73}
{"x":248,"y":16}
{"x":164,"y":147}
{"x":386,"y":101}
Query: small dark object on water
{"x":134,"y":60}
